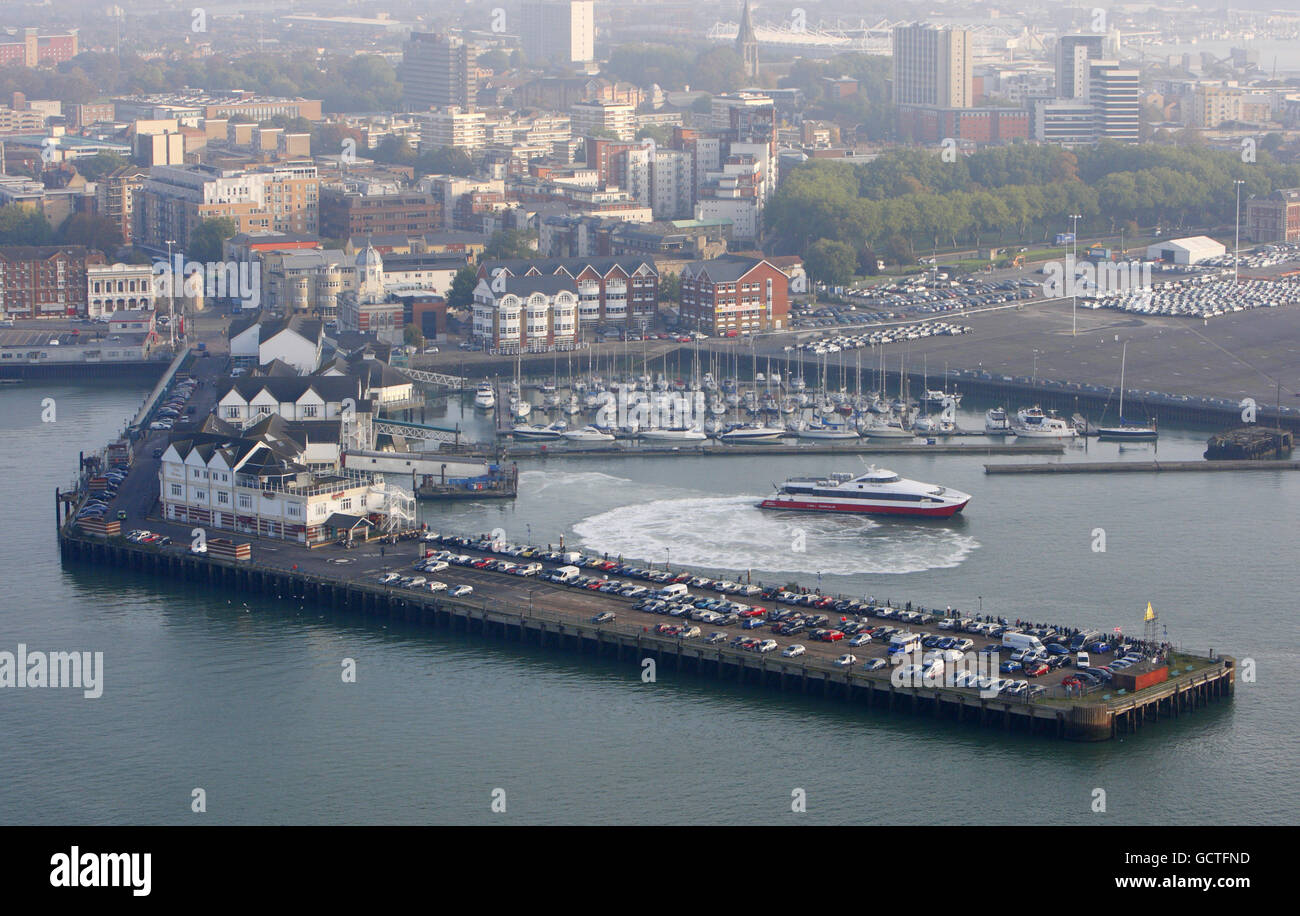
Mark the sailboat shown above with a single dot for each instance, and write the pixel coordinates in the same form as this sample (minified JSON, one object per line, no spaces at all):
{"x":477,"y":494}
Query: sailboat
{"x":1125,"y":431}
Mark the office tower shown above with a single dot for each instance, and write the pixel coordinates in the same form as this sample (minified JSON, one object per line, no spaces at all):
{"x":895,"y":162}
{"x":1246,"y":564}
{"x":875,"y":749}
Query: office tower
{"x":558,"y":31}
{"x":932,"y":67}
{"x":438,"y":71}
{"x":1072,"y":55}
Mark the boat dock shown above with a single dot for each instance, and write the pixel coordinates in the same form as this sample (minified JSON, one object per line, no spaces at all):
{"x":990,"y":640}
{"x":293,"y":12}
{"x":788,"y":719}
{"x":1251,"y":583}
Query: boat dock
{"x":547,"y":450}
{"x":520,"y":609}
{"x":1136,"y":467}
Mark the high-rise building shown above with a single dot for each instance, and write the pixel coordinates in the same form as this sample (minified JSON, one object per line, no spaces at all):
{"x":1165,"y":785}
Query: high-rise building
{"x":558,"y":31}
{"x":932,"y":66}
{"x":747,"y":43}
{"x":1115,"y":96}
{"x":454,"y":128}
{"x":613,"y":118}
{"x":439,"y":71}
{"x":1072,"y":55}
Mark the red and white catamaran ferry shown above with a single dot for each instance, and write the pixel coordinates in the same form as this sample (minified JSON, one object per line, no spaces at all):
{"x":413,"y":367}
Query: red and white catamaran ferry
{"x":877,"y":492}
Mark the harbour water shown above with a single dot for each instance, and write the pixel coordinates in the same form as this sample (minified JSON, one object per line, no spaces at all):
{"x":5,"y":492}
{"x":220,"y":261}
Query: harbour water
{"x":244,"y":697}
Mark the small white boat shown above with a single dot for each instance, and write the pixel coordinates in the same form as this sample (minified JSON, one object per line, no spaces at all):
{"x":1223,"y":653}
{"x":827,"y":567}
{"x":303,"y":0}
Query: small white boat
{"x":520,"y":408}
{"x":485,"y":397}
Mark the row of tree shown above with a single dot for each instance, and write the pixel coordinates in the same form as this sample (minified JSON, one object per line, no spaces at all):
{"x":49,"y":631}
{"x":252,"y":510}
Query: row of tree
{"x":343,"y":82}
{"x":912,"y":200}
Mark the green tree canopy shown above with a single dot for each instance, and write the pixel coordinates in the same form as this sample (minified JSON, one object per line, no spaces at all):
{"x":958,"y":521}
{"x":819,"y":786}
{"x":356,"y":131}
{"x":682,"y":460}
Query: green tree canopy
{"x":206,"y":240}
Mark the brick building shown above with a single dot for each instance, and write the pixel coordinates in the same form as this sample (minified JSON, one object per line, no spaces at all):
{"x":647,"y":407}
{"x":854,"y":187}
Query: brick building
{"x":344,"y":214}
{"x":46,"y":281}
{"x":734,"y":295}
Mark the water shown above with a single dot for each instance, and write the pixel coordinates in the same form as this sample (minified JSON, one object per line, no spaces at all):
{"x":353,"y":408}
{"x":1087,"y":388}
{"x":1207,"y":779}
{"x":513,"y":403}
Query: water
{"x":248,"y":703}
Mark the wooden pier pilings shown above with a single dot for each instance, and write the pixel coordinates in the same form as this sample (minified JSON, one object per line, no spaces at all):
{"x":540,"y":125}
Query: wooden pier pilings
{"x":1084,"y":720}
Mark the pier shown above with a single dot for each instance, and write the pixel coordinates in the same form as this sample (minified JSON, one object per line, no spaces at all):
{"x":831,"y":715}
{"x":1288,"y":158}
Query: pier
{"x":715,"y":450}
{"x":1138,"y":467}
{"x":517,"y":609}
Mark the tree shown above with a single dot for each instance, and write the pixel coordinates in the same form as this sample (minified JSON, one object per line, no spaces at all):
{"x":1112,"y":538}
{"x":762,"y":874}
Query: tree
{"x":412,"y":335}
{"x":461,"y":293}
{"x":660,"y":134}
{"x":447,"y":160}
{"x":206,"y":240}
{"x":830,"y":261}
{"x":92,"y":168}
{"x":394,"y":150}
{"x":670,"y":287}
{"x":97,"y":232}
{"x":508,"y":244}
{"x":21,"y":226}
{"x":496,"y":60}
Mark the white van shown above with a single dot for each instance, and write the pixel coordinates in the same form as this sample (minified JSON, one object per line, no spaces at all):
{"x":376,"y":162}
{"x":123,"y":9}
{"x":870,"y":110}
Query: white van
{"x":904,"y":642}
{"x":1081,"y":660}
{"x":566,"y":574}
{"x":1022,"y":641}
{"x":674,"y":591}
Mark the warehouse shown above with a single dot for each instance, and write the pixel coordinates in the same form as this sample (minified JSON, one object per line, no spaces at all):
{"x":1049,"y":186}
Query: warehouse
{"x":1187,"y":251}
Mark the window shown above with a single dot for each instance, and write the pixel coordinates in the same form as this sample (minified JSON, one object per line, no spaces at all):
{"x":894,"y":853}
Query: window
{"x":245,"y":501}
{"x":223,"y":498}
{"x":345,"y":504}
{"x":201,"y":495}
{"x":176,"y":489}
{"x":309,"y":410}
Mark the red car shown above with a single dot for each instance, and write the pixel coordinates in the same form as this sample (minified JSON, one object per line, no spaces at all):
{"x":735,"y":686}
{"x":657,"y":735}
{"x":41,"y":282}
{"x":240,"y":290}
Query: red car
{"x":1036,"y":669}
{"x":833,"y":636}
{"x":825,"y":602}
{"x":753,"y":612}
{"x":479,"y":564}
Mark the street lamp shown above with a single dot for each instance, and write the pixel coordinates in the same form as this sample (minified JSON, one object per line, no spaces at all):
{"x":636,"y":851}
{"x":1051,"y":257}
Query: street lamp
{"x":669,"y":561}
{"x":1074,"y":254}
{"x":1236,"y":243}
{"x":1035,"y":378}
{"x":171,"y":296}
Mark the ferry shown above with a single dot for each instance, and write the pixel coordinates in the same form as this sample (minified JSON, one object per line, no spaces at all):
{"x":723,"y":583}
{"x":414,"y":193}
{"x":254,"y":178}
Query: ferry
{"x":485,"y":397}
{"x":877,"y":492}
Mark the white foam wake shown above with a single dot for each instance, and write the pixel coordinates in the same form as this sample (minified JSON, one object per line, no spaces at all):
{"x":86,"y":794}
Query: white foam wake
{"x":732,"y":534}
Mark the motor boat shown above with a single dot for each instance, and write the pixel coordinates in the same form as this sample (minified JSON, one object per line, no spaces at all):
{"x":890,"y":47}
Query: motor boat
{"x":485,"y":397}
{"x":752,"y":434}
{"x":877,"y":492}
{"x":996,"y":422}
{"x":1032,"y":423}
{"x":885,"y":429}
{"x":587,"y":434}
{"x":551,"y":433}
{"x":672,"y":435}
{"x":825,"y":431}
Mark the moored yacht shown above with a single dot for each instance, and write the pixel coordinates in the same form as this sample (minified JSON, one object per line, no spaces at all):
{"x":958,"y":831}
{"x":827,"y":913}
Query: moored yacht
{"x":672,"y":435}
{"x":587,"y":434}
{"x":877,"y":492}
{"x":996,"y":422}
{"x":1032,"y":423}
{"x":752,"y":433}
{"x":539,"y":433}
{"x":485,"y":397}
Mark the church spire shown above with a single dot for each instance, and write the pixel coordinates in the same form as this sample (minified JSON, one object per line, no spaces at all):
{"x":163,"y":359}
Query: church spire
{"x":747,"y":43}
